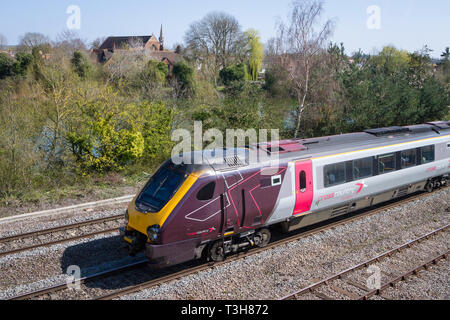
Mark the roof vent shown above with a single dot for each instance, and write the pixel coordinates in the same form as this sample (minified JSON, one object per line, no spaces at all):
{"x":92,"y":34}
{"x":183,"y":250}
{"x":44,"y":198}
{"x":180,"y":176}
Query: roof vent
{"x":284,"y":146}
{"x":385,"y":131}
{"x":233,"y":161}
{"x":440,"y":124}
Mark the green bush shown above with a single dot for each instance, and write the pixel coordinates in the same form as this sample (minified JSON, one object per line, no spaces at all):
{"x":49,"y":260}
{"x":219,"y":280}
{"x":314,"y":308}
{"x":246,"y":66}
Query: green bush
{"x":234,"y":73}
{"x":81,"y":65}
{"x":184,"y":76}
{"x":6,"y":65}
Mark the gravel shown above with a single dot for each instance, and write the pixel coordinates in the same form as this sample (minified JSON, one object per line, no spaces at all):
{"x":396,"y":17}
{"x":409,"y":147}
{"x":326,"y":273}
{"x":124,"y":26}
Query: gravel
{"x":278,"y":272}
{"x":30,"y":270}
{"x":8,"y":229}
{"x":271,"y":274}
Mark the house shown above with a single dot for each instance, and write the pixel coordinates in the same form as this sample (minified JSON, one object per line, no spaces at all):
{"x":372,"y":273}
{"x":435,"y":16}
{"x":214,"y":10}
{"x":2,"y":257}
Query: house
{"x":153,"y":47}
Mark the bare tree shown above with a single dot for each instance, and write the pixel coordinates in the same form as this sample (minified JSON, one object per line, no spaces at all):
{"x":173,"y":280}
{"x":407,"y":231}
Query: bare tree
{"x":97,"y":43}
{"x":218,"y":36}
{"x":298,"y":46}
{"x":68,"y":42}
{"x":31,"y":40}
{"x":3,"y":42}
{"x":136,"y":43}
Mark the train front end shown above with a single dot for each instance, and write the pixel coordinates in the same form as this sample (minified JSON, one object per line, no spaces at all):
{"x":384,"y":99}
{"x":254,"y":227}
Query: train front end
{"x":149,"y":214}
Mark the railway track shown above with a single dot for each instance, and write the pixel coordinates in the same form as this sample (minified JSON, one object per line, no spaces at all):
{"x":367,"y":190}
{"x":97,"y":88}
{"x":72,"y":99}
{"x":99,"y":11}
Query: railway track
{"x":334,"y":282}
{"x":272,"y":245}
{"x":167,"y":276}
{"x":12,"y":246}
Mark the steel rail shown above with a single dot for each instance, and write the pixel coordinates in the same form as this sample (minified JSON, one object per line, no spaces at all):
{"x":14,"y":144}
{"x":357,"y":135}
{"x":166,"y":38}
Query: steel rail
{"x":404,"y":276}
{"x":52,"y":243}
{"x":254,"y":251}
{"x":60,"y":228}
{"x":73,"y":208}
{"x":206,"y":266}
{"x":312,"y":287}
{"x":62,"y":286}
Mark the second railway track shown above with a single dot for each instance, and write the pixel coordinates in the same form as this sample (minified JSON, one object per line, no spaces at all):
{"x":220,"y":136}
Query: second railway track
{"x":62,"y":234}
{"x":356,"y":290}
{"x":105,"y":291}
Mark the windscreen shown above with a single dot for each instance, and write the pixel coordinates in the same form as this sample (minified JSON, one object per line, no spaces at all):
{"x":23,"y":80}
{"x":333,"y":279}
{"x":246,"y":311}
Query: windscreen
{"x":161,"y":187}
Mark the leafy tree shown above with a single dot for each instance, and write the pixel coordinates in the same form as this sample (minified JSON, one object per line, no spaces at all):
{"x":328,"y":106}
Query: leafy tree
{"x":156,"y":71}
{"x":156,"y":130}
{"x":15,"y":67}
{"x":22,"y":63}
{"x":81,"y":65}
{"x":184,"y":76}
{"x":255,"y":53}
{"x":298,"y":46}
{"x":6,"y":65}
{"x":216,"y":40}
{"x":391,"y":60}
{"x":446,"y":54}
{"x":234,"y":73}
{"x":444,"y":67}
{"x":105,"y":139}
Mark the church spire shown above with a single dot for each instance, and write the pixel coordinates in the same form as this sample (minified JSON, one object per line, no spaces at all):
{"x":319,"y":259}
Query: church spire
{"x":161,"y":39}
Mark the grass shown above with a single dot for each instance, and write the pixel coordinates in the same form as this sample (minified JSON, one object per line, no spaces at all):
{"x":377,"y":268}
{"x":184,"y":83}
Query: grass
{"x":57,"y":190}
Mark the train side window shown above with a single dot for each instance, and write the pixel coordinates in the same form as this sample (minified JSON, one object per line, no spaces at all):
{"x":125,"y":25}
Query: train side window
{"x":362,"y":168}
{"x":427,"y":154}
{"x":334,"y":174}
{"x":386,"y":163}
{"x":408,"y":158}
{"x":303,"y":181}
{"x":207,"y":192}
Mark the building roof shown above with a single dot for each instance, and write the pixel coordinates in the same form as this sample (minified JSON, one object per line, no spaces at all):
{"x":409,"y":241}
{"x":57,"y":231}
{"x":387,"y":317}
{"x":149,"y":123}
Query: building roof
{"x":119,"y":42}
{"x":169,"y":55}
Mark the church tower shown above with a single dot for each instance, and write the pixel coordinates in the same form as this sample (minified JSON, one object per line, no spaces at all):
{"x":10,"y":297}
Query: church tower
{"x":161,"y":39}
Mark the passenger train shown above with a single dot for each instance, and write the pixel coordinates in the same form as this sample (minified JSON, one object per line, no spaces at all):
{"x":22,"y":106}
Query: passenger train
{"x":189,"y":211}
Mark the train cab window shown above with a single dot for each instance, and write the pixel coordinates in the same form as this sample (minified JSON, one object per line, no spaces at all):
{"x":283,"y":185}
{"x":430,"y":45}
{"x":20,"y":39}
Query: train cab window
{"x":408,"y":158}
{"x":386,"y":163}
{"x":207,"y":192}
{"x":362,"y":168}
{"x":161,"y":187}
{"x":334,"y":174}
{"x":427,"y":154}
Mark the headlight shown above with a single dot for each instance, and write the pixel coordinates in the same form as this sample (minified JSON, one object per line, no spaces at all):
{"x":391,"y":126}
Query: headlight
{"x":127,"y":217}
{"x":153,"y":232}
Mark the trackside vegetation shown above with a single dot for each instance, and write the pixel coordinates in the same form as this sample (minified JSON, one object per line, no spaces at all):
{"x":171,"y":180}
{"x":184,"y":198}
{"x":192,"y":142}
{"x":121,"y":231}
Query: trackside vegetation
{"x":70,"y":125}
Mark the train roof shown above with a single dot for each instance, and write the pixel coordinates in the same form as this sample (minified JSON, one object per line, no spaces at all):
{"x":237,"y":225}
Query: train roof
{"x":287,"y":150}
{"x":371,"y":138}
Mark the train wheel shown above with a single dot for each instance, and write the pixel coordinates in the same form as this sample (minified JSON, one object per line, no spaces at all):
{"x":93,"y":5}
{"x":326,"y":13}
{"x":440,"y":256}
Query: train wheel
{"x":217,"y":252}
{"x":429,"y":187}
{"x":263,"y":236}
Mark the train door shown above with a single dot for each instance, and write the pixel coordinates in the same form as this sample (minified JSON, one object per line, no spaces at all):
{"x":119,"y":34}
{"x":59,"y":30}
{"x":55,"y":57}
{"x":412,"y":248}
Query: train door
{"x":232,"y":201}
{"x":303,"y":187}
